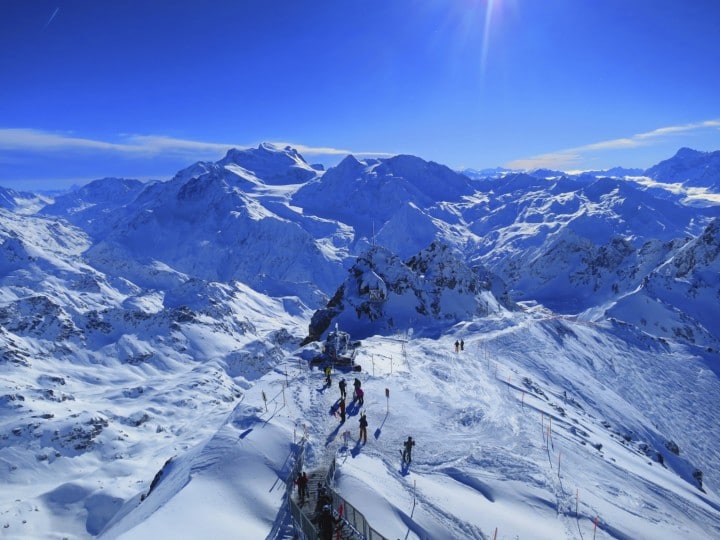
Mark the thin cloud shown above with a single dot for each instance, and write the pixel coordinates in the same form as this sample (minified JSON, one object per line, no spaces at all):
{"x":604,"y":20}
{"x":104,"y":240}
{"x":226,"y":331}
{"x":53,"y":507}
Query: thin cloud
{"x":672,"y":130}
{"x":33,"y":140}
{"x":328,"y":151}
{"x":54,"y":14}
{"x":554,"y":160}
{"x":571,"y":157}
{"x":160,"y":144}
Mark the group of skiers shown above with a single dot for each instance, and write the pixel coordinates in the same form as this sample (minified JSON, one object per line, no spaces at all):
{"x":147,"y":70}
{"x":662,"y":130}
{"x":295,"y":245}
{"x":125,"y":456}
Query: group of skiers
{"x":358,"y":396}
{"x":326,"y":521}
{"x":459,"y":346}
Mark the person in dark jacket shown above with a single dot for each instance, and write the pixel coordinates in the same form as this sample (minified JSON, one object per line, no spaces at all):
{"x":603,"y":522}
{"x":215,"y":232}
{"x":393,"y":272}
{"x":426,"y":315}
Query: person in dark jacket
{"x":363,"y":428}
{"x":342,"y":384}
{"x":323,"y":498}
{"x":302,"y":482}
{"x":326,"y":523}
{"x":361,"y":396}
{"x":407,"y":452}
{"x":342,"y":409}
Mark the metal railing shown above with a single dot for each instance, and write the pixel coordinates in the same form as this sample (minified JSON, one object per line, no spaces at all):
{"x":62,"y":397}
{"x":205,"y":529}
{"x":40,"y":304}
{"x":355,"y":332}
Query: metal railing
{"x":304,"y":528}
{"x":351,"y":515}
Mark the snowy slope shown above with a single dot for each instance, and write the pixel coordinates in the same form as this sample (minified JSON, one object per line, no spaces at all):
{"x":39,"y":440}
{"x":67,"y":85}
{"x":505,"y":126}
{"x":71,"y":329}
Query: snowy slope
{"x":499,"y":444}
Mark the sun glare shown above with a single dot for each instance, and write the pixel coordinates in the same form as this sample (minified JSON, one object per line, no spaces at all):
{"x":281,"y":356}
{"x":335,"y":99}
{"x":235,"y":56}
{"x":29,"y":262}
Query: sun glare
{"x":486,"y":36}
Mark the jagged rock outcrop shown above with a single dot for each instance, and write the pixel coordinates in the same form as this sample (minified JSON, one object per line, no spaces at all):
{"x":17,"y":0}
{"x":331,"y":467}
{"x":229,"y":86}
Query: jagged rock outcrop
{"x":429,"y":292}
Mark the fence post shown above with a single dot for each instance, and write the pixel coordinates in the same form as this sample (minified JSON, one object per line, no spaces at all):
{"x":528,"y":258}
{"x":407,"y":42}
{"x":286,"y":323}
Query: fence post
{"x":577,"y":500}
{"x":559,"y":455}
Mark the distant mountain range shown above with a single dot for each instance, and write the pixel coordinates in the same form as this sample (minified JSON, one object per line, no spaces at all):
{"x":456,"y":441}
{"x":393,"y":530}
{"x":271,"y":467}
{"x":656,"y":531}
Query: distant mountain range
{"x":584,"y":243}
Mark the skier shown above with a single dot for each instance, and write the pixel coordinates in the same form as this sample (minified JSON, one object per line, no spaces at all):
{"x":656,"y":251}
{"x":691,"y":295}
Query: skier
{"x":342,"y":384}
{"x":342,"y":410}
{"x":457,"y":345}
{"x":462,"y":344}
{"x":363,"y":428}
{"x":360,"y":396}
{"x":407,"y":453}
{"x":357,"y":385}
{"x":328,"y":371}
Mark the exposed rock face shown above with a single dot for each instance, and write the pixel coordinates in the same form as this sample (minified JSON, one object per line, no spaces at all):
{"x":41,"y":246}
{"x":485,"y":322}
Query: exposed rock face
{"x":429,"y":292}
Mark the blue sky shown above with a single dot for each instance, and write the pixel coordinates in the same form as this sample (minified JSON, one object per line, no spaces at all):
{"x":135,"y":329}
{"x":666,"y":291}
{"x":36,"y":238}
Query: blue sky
{"x":93,"y":88}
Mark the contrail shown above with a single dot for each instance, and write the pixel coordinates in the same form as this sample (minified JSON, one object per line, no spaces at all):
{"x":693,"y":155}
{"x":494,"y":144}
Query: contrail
{"x":52,"y":17}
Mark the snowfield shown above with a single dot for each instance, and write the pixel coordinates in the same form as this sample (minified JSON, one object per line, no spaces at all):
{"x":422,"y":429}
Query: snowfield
{"x":536,"y":429}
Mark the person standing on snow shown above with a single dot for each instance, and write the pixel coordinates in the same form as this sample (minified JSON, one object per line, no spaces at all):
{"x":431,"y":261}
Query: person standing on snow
{"x":342,"y":384}
{"x":328,"y":371}
{"x":342,"y":410}
{"x":360,"y":396}
{"x":407,"y":453}
{"x":462,"y":345}
{"x":356,"y":384}
{"x":457,"y":345}
{"x":363,"y":428}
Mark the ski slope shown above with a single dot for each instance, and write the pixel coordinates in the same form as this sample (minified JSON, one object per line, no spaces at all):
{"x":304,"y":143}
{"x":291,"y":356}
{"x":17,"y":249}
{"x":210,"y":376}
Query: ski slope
{"x":534,"y":431}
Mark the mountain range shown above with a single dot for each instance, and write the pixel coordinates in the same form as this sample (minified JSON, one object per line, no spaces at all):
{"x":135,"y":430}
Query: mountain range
{"x":136,"y":317}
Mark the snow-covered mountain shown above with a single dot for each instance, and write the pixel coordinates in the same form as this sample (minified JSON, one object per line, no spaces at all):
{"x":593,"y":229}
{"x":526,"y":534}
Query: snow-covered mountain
{"x":689,"y":167}
{"x":153,"y":381}
{"x":680,"y":297}
{"x":90,"y":206}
